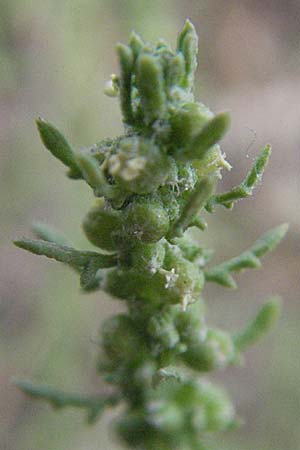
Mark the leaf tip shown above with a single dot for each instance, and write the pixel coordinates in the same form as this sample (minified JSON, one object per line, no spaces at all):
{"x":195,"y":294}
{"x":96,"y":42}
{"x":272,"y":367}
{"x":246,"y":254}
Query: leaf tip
{"x":224,"y":120}
{"x":18,"y":243}
{"x":283,"y":229}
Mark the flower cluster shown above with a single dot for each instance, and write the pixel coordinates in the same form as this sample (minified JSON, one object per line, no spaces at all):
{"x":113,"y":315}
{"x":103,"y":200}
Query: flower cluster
{"x":152,"y":184}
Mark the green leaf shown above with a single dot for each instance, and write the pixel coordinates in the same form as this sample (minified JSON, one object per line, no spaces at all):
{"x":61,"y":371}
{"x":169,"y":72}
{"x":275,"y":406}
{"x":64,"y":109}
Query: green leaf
{"x":211,"y":133}
{"x":176,"y":70}
{"x":248,"y":259}
{"x":67,"y":255}
{"x":94,"y":405}
{"x":57,"y":144}
{"x":198,"y":222}
{"x":187,"y":44}
{"x":260,"y":325}
{"x":136,"y":44}
{"x":245,"y":188}
{"x":195,"y":202}
{"x":93,"y":173}
{"x":126,"y":65}
{"x":150,"y":83}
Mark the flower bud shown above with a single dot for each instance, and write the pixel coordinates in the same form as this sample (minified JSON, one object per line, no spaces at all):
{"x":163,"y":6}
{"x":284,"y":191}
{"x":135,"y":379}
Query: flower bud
{"x":102,"y":225}
{"x":134,"y":429}
{"x":162,"y":328}
{"x":191,"y":324}
{"x":203,"y":407}
{"x":111,"y":88}
{"x":166,"y":416}
{"x":146,"y":220}
{"x":137,"y":285}
{"x":148,"y":257}
{"x":139,"y":166}
{"x":185,"y":281}
{"x":216,"y":352}
{"x":219,"y":412}
{"x":120,"y":339}
{"x":212,"y":162}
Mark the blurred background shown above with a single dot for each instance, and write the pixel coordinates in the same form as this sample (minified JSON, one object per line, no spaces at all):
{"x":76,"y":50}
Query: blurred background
{"x":54,"y":60}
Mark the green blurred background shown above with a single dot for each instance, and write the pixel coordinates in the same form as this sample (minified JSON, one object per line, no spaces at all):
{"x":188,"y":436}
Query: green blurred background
{"x":55,"y":57}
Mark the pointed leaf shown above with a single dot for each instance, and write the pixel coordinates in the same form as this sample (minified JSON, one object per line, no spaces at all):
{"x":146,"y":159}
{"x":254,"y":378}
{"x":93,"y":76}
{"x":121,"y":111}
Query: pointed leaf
{"x":188,"y":46}
{"x":136,"y":44}
{"x":68,"y":255}
{"x":57,"y":144}
{"x":176,"y":70}
{"x":221,"y":277}
{"x":150,"y":83}
{"x":248,"y":259}
{"x":195,"y":202}
{"x":209,"y":135}
{"x":92,"y":173}
{"x":126,"y":65}
{"x":260,"y":325}
{"x":245,"y":188}
{"x":94,"y":405}
{"x":269,"y":241}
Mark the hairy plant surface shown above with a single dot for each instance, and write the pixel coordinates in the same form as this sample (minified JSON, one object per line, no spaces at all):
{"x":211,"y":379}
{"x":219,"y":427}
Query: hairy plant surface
{"x":152,"y":184}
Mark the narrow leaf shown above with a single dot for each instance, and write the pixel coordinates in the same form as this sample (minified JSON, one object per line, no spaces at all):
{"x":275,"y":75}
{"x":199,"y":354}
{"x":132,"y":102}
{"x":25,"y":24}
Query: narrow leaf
{"x":269,"y":241}
{"x":245,"y":188}
{"x":136,"y":44}
{"x":187,"y":44}
{"x":176,"y":70}
{"x":198,"y":222}
{"x":248,"y":259}
{"x":209,"y":135}
{"x":150,"y":83}
{"x":68,"y":255}
{"x":126,"y":65}
{"x":260,"y":325}
{"x":94,"y":405}
{"x":92,"y":173}
{"x":195,"y":202}
{"x":57,"y":144}
{"x":222,"y":278}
